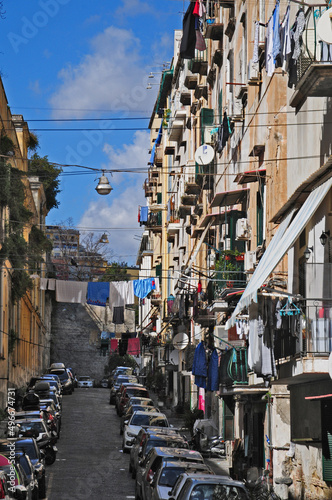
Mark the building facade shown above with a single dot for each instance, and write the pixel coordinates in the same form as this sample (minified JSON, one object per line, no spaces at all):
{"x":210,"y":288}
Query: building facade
{"x":238,"y":228}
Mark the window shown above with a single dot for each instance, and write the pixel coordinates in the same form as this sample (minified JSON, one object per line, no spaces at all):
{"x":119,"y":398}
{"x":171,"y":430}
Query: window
{"x":228,"y":418}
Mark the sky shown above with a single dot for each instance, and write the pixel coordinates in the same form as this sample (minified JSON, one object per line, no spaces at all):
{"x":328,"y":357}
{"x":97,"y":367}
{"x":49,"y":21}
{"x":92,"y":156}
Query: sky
{"x":90,"y":59}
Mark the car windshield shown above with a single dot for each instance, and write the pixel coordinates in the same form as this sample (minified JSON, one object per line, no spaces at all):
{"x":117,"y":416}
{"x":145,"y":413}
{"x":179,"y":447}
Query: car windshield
{"x":136,"y":391}
{"x":25,"y":464}
{"x":217,"y":492}
{"x":147,"y":419}
{"x":32,"y":426}
{"x":169,"y":476}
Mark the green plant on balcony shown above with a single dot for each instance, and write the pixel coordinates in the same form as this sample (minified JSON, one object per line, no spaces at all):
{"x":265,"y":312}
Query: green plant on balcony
{"x":166,"y":117}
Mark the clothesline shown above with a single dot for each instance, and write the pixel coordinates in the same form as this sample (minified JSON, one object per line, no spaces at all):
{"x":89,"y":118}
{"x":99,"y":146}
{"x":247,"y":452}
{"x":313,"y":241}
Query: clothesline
{"x":113,"y":293}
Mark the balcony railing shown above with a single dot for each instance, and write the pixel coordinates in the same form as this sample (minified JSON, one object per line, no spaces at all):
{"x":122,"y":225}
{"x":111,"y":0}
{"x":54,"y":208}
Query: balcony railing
{"x":233,"y":367}
{"x":199,"y":63}
{"x":154,"y":219}
{"x":314,"y":67}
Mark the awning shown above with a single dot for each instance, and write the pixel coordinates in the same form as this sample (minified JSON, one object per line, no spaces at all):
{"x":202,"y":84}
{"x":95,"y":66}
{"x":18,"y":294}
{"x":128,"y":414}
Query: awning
{"x":214,"y":219}
{"x":250,"y":176}
{"x":282,"y":241}
{"x":228,"y":198}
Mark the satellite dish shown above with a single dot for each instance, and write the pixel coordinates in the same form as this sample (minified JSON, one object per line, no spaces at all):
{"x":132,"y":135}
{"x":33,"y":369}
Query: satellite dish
{"x":174,"y":357}
{"x":204,"y":154}
{"x":324,"y":26}
{"x":180,"y":341}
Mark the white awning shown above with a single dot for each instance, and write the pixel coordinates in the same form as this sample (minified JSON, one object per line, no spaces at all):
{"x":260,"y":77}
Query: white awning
{"x":282,"y":241}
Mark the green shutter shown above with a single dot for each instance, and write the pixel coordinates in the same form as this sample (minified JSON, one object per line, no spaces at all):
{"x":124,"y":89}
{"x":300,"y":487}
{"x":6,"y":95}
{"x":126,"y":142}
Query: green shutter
{"x":260,"y":214}
{"x":158,"y":271}
{"x":327,"y":439}
{"x":207,"y":118}
{"x":159,"y":198}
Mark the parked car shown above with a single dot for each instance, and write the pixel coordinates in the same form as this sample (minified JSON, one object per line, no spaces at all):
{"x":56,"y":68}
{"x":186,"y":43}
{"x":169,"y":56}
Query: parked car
{"x":129,"y":412}
{"x":129,"y":391}
{"x":34,"y":428}
{"x":57,"y":366}
{"x":159,"y":485}
{"x":115,"y":387}
{"x":120,"y":370}
{"x":155,"y":458}
{"x":138,"y":420}
{"x":30,"y":448}
{"x":74,"y":378}
{"x":84,"y":381}
{"x":209,"y":487}
{"x":150,"y":437}
{"x":23,"y":487}
{"x":66,"y":382}
{"x":104,"y":383}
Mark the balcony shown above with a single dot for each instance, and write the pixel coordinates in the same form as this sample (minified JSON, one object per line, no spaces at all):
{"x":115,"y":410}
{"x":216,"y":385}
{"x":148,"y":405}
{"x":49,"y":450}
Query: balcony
{"x":191,"y":186}
{"x":190,"y":81}
{"x":184,"y":210}
{"x":188,"y":199}
{"x":147,"y":188}
{"x":154,"y":220}
{"x":158,"y":159}
{"x":217,"y":58}
{"x":174,"y":224}
{"x":155,"y":298}
{"x":314,"y":71}
{"x":214,"y":30}
{"x":199,"y":63}
{"x":233,"y":368}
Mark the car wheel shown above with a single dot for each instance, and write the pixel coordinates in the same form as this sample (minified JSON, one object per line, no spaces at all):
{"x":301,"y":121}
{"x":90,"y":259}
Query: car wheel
{"x":42,"y":489}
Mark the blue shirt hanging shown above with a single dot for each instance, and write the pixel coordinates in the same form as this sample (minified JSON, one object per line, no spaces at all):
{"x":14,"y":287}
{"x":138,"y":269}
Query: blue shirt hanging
{"x":98,"y":293}
{"x":213,"y":375}
{"x":199,"y":368}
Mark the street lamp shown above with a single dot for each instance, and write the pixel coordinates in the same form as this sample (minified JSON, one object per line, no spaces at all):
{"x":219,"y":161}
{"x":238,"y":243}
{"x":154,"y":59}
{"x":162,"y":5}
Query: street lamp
{"x":324,"y":237}
{"x":104,"y":186}
{"x":307,"y":252}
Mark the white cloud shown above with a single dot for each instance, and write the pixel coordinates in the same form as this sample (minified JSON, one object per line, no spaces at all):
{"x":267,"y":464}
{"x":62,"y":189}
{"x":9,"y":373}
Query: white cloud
{"x":111,"y":76}
{"x":120,"y":208}
{"x":131,"y":8}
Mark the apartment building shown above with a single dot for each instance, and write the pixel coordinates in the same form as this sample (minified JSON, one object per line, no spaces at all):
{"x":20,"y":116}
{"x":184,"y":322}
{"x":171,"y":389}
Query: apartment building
{"x":242,"y":239}
{"x":24,"y":307}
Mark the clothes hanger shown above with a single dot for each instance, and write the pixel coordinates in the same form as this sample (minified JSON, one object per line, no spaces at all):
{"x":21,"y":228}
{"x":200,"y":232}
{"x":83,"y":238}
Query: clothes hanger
{"x":289,"y":309}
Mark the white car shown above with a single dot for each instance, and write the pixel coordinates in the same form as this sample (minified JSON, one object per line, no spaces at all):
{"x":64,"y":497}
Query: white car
{"x":84,"y":381}
{"x":138,"y":420}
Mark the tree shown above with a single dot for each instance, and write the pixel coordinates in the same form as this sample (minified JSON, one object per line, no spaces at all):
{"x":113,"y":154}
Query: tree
{"x":48,"y":174}
{"x":116,"y":272}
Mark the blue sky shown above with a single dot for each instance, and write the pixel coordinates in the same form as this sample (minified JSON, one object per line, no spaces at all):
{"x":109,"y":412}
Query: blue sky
{"x":90,"y":59}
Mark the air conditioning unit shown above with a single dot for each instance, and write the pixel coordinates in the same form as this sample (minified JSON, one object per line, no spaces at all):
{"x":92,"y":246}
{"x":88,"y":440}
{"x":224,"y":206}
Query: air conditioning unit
{"x":253,"y":73}
{"x":222,"y":334}
{"x":209,"y":135}
{"x":242,"y":229}
{"x":250,"y":261}
{"x":237,"y":114}
{"x":227,"y":244}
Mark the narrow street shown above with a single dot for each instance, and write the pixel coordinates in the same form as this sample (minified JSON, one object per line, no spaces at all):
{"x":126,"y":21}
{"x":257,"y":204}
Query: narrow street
{"x":90,"y":463}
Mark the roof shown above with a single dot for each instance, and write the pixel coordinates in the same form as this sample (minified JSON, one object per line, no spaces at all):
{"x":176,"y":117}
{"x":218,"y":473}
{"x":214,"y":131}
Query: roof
{"x":302,"y":192}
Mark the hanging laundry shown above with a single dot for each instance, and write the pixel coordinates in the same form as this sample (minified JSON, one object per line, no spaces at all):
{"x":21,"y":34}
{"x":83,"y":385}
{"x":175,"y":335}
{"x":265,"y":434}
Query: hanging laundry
{"x":196,"y":9}
{"x":255,"y":57}
{"x":120,"y":293}
{"x":201,"y":399}
{"x":51,"y":284}
{"x":276,"y":36}
{"x":43,"y":283}
{"x":144,"y":212}
{"x":71,"y":291}
{"x":200,"y":41}
{"x":156,"y":143}
{"x":134,"y":348}
{"x":143,"y":287}
{"x":326,"y":51}
{"x":98,"y":293}
{"x":114,"y":346}
{"x":129,"y":292}
{"x":199,"y":368}
{"x":285,"y":40}
{"x":299,"y":28}
{"x":213,"y":375}
{"x":225,"y":130}
{"x":118,"y":315}
{"x":188,"y":42}
{"x":269,"y":59}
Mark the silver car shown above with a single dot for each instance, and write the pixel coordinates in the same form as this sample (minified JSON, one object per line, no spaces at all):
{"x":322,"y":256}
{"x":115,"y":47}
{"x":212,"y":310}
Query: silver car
{"x":210,"y":487}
